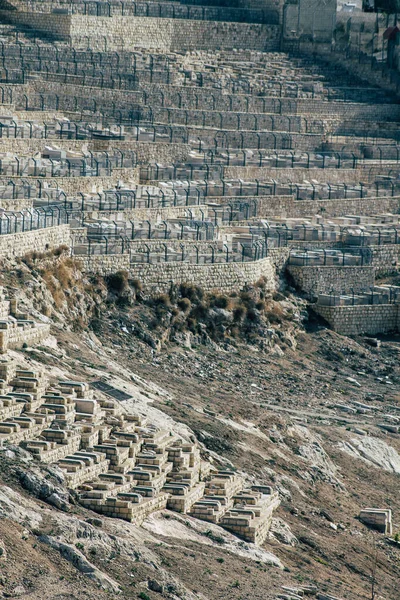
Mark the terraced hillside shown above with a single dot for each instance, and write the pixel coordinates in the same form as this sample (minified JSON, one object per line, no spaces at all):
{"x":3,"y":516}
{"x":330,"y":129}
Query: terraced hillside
{"x":199,"y":236}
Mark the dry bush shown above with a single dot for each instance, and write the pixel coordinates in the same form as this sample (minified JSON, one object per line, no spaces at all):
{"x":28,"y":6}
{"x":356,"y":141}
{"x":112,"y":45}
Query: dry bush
{"x":65,"y":275}
{"x":192,"y":324}
{"x":184,"y":304}
{"x":275,"y":313}
{"x":63,"y":249}
{"x":239,"y":313}
{"x":261,"y":283}
{"x":54,"y":287}
{"x":117,"y":282}
{"x":137,"y":285}
{"x":252,"y":316}
{"x":193,"y":292}
{"x":30,"y":258}
{"x":247,"y":299}
{"x":221,"y":301}
{"x":199,"y":311}
{"x":235,"y":331}
{"x":163,"y":300}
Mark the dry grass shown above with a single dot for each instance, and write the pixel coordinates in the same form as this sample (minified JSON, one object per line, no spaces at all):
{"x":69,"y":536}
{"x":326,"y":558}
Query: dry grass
{"x":118,"y":282}
{"x":221,"y":316}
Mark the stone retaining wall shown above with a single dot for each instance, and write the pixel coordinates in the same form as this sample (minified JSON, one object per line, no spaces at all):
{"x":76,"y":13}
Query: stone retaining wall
{"x":286,"y":206}
{"x":298,"y":174}
{"x":16,"y":338}
{"x":103,"y":264}
{"x":170,"y":34}
{"x":145,"y":151}
{"x":16,"y":203}
{"x":155,"y":215}
{"x":364,"y":319}
{"x":316,"y":280}
{"x":124,"y":32}
{"x":385,"y":258}
{"x":223,"y":277}
{"x":58,"y":25}
{"x":40,"y":240}
{"x":157,"y":278}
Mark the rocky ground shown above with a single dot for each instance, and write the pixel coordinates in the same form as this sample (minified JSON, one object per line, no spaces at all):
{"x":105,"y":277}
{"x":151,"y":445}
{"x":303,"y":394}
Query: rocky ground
{"x":263,"y":394}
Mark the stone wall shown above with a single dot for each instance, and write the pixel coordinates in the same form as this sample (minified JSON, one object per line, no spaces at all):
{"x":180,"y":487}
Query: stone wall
{"x":152,"y":214}
{"x":145,"y":151}
{"x":385,"y":258}
{"x":16,"y":338}
{"x":73,"y":185}
{"x":124,"y":32}
{"x":297,"y":175}
{"x":103,"y":264}
{"x":316,"y":280}
{"x":363,"y":319}
{"x":317,"y":108}
{"x":157,"y":278}
{"x":223,"y":277}
{"x":317,"y":18}
{"x":40,"y":240}
{"x":279,"y":258}
{"x":57,"y":25}
{"x":170,"y":34}
{"x":286,"y":206}
{"x":16,"y":203}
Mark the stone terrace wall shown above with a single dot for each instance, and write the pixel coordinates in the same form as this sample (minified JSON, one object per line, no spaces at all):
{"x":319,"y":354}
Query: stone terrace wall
{"x":286,"y":206}
{"x":58,"y":25}
{"x":103,"y":264}
{"x":145,"y":151}
{"x":223,"y":277}
{"x":152,"y":214}
{"x":19,"y":244}
{"x":316,"y":108}
{"x":73,"y":185}
{"x":164,"y":34}
{"x":385,"y":258}
{"x":157,"y":278}
{"x":356,"y":320}
{"x":316,"y":280}
{"x":279,"y":258}
{"x":16,"y":203}
{"x":299,"y":174}
{"x":170,"y":34}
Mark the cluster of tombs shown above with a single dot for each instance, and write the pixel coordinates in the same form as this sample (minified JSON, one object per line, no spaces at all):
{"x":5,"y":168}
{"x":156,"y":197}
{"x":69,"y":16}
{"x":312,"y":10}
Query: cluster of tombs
{"x":210,"y":148}
{"x":119,"y":464}
{"x":17,"y":328}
